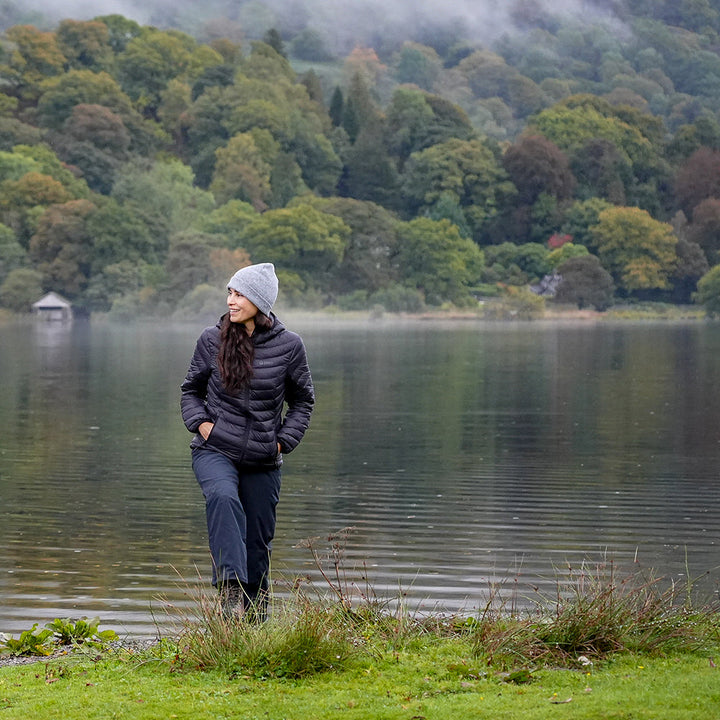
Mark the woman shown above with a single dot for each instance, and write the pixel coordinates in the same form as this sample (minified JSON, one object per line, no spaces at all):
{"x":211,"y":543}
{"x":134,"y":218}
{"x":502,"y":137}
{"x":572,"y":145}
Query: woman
{"x":242,"y":373}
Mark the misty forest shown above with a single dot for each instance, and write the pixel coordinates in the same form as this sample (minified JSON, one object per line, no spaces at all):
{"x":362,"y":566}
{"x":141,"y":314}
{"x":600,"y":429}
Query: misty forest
{"x":399,"y":156}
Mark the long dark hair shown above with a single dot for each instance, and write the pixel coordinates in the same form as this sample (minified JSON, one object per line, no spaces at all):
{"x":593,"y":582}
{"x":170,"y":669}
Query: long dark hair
{"x":237,"y":350}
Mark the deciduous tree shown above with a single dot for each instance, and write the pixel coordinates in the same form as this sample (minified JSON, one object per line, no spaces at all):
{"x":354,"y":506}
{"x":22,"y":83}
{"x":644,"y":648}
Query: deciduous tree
{"x":113,"y":282}
{"x":417,"y":64}
{"x":224,"y":262}
{"x":434,"y":258}
{"x":637,"y":250}
{"x":205,"y":127}
{"x":417,"y":120}
{"x":86,"y":44}
{"x":315,"y":155}
{"x":698,"y":179}
{"x":96,"y":141}
{"x":708,"y":293}
{"x":121,"y":31}
{"x":149,"y":61}
{"x":705,"y":228}
{"x":61,"y":94}
{"x":585,"y":283}
{"x":467,"y":170}
{"x":188,"y":263}
{"x":229,"y":222}
{"x":14,"y":165}
{"x":61,"y":248}
{"x":301,"y":239}
{"x":580,"y":217}
{"x":578,"y":123}
{"x":691,"y":266}
{"x":163,"y":196}
{"x":31,"y":190}
{"x":119,"y":236}
{"x":242,"y":170}
{"x":536,"y":165}
{"x":566,"y":252}
{"x":363,"y":70}
{"x":214,"y":76}
{"x":15,"y":132}
{"x":20,"y":289}
{"x":370,"y":259}
{"x":35,"y":58}
{"x":48,"y":163}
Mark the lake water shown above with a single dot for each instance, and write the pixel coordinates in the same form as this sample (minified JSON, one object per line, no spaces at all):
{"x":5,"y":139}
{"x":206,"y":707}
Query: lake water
{"x":467,"y":457}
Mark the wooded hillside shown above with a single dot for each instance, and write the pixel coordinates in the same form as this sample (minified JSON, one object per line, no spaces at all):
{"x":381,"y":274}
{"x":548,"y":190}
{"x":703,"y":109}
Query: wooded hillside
{"x":140,"y":165}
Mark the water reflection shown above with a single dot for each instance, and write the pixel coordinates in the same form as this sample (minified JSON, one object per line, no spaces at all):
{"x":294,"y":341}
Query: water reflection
{"x":462,"y":454}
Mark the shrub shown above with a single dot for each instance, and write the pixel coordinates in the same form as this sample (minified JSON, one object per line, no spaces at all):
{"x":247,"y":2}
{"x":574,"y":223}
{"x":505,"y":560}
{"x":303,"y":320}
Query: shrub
{"x":21,"y":288}
{"x":708,"y":292}
{"x":134,"y":305}
{"x":516,"y":303}
{"x":357,"y":300}
{"x":585,"y":283}
{"x":299,"y":639}
{"x":594,"y":613}
{"x":397,"y":298}
{"x":201,"y":302}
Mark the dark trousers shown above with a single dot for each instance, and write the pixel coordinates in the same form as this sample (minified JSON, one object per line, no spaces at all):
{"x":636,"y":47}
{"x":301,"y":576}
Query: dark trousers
{"x":240,"y":508}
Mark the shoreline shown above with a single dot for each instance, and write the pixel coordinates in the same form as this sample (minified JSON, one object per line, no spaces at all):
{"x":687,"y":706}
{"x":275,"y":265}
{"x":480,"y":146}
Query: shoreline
{"x":626,"y":313}
{"x":643,"y":312}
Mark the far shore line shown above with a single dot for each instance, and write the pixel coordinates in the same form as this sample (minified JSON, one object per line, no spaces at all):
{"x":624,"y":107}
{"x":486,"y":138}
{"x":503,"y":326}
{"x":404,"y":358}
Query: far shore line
{"x":617,"y":313}
{"x":648,"y":312}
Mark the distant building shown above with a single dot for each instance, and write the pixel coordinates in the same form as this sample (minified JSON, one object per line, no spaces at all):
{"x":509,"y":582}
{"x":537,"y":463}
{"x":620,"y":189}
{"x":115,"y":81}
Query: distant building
{"x":548,"y":286}
{"x":53,"y":307}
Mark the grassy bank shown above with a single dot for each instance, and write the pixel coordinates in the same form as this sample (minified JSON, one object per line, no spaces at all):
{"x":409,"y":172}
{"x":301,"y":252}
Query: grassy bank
{"x":601,"y":647}
{"x":432,"y":679}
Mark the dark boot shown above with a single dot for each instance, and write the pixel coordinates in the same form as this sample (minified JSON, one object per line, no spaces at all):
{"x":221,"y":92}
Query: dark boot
{"x":256,"y":598}
{"x":231,"y":599}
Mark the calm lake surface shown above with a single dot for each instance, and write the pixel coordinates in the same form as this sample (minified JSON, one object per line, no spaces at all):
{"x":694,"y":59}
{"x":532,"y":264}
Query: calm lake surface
{"x":467,"y":456}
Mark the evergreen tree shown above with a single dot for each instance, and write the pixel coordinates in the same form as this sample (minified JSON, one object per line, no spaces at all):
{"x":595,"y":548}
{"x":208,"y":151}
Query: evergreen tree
{"x":337,"y":106}
{"x":350,"y":120}
{"x":273,"y":39}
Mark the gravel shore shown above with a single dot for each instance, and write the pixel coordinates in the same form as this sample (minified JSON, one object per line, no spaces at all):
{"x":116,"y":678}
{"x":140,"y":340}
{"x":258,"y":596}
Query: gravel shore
{"x":6,"y":659}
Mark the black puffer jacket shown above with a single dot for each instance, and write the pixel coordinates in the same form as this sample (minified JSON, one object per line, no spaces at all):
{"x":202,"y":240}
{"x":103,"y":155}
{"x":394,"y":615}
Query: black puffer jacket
{"x":248,"y":425}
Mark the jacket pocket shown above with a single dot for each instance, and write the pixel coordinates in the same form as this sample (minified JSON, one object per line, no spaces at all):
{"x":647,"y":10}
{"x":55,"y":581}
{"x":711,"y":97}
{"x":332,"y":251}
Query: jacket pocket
{"x":229,"y":436}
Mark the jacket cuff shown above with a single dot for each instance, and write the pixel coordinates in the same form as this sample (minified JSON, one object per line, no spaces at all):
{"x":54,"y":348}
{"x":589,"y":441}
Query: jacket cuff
{"x":193,"y":425}
{"x":286,"y":445}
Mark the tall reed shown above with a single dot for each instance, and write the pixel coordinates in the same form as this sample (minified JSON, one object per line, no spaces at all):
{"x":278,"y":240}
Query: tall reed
{"x":590,"y":614}
{"x":593,"y":612}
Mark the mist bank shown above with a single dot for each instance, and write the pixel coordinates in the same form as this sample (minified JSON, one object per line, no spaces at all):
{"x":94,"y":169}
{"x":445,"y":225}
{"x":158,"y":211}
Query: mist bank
{"x":342,"y":24}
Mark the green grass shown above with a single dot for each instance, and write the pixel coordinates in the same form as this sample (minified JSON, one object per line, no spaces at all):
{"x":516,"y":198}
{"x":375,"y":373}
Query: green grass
{"x":437,"y":680}
{"x":602,"y":646}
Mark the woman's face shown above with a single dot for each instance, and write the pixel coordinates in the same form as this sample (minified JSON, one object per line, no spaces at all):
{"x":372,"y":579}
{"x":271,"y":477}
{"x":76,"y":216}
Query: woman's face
{"x":241,"y":309}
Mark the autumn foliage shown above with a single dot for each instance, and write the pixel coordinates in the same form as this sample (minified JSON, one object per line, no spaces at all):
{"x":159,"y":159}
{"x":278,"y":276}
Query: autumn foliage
{"x":440,"y":166}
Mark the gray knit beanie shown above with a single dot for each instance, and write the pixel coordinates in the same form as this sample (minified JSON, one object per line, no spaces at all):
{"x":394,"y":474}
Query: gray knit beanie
{"x":258,"y":283}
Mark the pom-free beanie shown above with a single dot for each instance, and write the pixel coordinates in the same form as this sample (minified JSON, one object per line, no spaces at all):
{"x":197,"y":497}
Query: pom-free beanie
{"x":258,"y":283}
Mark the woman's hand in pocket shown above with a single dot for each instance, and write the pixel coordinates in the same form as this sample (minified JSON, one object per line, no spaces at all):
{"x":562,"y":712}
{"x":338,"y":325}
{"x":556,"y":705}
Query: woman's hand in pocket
{"x":205,"y":429}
